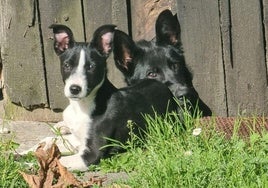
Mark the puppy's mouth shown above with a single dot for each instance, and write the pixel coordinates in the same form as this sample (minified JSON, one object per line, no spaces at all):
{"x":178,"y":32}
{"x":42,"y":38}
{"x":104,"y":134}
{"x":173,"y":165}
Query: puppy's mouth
{"x":75,"y":98}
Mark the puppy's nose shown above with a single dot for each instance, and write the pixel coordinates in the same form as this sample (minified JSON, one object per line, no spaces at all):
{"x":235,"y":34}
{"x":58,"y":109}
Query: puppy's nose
{"x":75,"y":89}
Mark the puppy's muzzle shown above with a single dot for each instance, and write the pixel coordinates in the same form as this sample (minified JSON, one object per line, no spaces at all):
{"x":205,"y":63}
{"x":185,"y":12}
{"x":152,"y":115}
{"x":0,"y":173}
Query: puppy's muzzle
{"x":75,"y":89}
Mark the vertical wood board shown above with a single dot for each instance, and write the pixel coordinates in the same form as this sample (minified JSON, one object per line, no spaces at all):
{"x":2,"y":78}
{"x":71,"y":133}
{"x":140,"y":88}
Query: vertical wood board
{"x":201,"y":40}
{"x":265,"y":24}
{"x":22,"y":55}
{"x":225,"y":24}
{"x":98,"y":13}
{"x":246,"y":76}
{"x":64,"y":12}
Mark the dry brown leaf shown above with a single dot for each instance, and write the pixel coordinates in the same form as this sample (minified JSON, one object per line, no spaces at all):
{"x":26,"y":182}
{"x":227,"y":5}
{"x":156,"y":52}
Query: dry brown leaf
{"x":51,"y":171}
{"x":66,"y":177}
{"x":32,"y":180}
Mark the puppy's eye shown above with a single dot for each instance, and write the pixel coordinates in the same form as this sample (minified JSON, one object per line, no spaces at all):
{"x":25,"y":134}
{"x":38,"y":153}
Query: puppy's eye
{"x":151,"y":74}
{"x":89,"y":67}
{"x":67,"y":66}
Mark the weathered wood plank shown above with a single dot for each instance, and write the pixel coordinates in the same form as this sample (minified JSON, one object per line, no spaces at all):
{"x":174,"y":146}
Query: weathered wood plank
{"x":246,"y":77}
{"x":265,"y":22}
{"x":62,"y":12}
{"x":225,"y":25}
{"x":201,"y":40}
{"x":22,"y":55}
{"x":98,"y":13}
{"x":144,"y":15}
{"x":224,"y":47}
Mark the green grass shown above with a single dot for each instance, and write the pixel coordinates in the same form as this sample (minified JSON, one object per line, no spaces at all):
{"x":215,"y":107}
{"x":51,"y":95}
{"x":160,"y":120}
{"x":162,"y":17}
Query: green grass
{"x":170,"y":156}
{"x":10,"y":165}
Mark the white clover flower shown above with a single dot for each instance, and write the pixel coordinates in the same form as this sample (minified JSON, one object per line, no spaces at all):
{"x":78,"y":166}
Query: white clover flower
{"x":188,"y":153}
{"x":197,"y":131}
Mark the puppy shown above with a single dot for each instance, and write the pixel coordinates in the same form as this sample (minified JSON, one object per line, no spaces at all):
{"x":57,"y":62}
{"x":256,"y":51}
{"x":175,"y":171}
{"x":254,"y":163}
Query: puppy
{"x":161,"y":59}
{"x":97,"y":109}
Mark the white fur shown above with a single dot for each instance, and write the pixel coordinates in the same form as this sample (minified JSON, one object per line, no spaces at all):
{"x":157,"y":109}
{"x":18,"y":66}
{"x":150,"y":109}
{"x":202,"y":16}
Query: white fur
{"x":77,"y":78}
{"x":76,"y":162}
{"x":77,"y":116}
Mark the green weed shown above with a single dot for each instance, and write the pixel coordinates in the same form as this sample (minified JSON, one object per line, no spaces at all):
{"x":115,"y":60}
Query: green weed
{"x":11,"y":165}
{"x":196,"y":157}
{"x":171,"y":155}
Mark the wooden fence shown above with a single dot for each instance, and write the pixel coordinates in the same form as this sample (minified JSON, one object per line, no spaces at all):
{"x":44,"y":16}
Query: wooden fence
{"x":225,"y":44}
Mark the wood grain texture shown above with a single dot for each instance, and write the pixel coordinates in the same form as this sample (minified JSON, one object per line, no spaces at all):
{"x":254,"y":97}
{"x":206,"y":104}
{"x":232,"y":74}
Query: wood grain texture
{"x":225,"y":44}
{"x":265,"y":29}
{"x":201,"y":41}
{"x":62,"y":12}
{"x":144,"y":15}
{"x":22,"y":55}
{"x":246,"y":76}
{"x":98,"y":13}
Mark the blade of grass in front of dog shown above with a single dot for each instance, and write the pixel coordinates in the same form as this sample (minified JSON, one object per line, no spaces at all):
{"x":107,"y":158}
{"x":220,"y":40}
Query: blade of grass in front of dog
{"x":173,"y":158}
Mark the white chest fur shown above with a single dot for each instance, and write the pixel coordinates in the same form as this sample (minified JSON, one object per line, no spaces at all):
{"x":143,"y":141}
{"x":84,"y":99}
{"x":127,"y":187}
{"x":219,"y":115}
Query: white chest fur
{"x":77,"y":117}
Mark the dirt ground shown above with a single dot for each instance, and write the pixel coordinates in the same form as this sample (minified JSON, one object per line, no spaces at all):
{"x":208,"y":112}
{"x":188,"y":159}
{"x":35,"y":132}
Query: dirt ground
{"x":28,"y":134}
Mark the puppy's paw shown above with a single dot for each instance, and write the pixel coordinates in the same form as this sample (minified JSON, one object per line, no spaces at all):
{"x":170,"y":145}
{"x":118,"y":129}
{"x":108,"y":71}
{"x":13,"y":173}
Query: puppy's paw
{"x":62,"y":127}
{"x":74,"y":162}
{"x":4,"y":130}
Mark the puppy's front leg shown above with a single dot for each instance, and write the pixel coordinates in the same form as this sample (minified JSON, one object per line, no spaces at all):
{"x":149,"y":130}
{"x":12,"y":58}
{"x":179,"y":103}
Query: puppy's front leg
{"x":85,"y":157}
{"x":74,"y":162}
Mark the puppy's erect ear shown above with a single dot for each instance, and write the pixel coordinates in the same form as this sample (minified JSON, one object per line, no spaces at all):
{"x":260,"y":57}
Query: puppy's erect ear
{"x":103,"y":39}
{"x":63,"y":38}
{"x":167,"y":28}
{"x":124,"y":49}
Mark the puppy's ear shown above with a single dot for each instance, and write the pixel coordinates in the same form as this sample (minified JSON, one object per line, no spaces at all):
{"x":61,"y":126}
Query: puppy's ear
{"x":63,"y":38}
{"x":167,"y":29}
{"x":124,"y":49}
{"x":103,"y":39}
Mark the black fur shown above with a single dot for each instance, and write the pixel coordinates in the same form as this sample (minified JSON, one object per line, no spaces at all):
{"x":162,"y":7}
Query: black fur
{"x":113,"y":107}
{"x":162,"y":59}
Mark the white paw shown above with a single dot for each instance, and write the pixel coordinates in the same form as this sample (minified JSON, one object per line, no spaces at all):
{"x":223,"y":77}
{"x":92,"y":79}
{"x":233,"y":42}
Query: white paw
{"x":62,"y":127}
{"x":4,"y":130}
{"x":68,"y":144}
{"x":74,"y":162}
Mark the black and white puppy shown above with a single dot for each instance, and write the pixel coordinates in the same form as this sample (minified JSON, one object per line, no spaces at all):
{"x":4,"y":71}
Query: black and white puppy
{"x":161,"y":59}
{"x":97,"y":109}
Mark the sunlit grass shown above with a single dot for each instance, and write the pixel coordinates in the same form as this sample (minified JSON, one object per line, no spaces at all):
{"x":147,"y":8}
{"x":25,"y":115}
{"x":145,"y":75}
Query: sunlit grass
{"x":196,"y":157}
{"x":172,"y":155}
{"x":11,"y":165}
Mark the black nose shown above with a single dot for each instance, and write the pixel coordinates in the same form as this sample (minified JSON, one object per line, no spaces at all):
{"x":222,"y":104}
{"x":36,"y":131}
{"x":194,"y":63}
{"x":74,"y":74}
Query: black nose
{"x":75,"y":89}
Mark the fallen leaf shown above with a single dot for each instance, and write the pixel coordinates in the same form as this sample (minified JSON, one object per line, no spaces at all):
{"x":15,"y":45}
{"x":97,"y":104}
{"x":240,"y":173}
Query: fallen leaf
{"x":32,"y":180}
{"x":52,"y":174}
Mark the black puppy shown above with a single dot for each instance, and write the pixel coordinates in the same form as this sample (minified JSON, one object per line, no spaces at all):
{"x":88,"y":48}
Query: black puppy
{"x":97,"y":109}
{"x":161,"y":59}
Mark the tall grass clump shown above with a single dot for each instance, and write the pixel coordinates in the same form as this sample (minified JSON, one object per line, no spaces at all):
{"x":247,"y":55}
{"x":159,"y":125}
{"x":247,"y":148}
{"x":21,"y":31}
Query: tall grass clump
{"x":198,"y":156}
{"x":10,"y":165}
